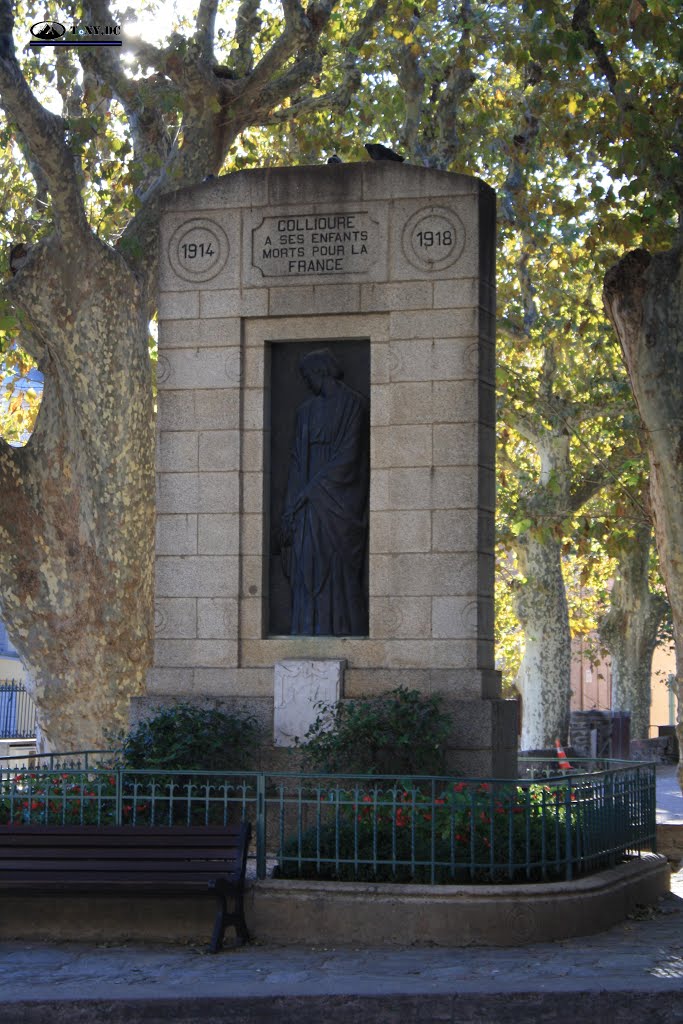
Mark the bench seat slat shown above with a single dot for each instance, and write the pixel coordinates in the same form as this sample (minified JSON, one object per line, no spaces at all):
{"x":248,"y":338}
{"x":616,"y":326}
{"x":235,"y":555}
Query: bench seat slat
{"x":106,"y":852}
{"x":46,"y":865}
{"x":86,"y":877}
{"x":114,"y":833}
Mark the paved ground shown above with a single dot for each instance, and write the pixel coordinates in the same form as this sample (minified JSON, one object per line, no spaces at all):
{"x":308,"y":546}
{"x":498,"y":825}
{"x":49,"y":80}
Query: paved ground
{"x":631,"y":974}
{"x":669,"y":797}
{"x":634,"y":972}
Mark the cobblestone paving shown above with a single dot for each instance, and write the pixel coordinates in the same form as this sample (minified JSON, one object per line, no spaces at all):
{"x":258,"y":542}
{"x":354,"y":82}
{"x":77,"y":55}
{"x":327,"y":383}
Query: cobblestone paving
{"x":644,"y":953}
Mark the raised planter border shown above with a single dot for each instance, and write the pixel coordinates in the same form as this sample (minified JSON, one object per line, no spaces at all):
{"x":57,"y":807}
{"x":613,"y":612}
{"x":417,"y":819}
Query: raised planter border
{"x":346,"y":913}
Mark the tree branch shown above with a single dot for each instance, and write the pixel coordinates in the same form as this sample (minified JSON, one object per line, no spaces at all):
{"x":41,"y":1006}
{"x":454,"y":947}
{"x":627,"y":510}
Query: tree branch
{"x":526,"y":285}
{"x":522,"y":424}
{"x":459,"y":80}
{"x":339,"y":98}
{"x":411,"y":78}
{"x":42,"y":198}
{"x":522,"y":142}
{"x":288,"y":84}
{"x":605,"y":472}
{"x":581,"y":23}
{"x":205,"y":28}
{"x":247,"y":25}
{"x":141,"y":101}
{"x":284,"y":47}
{"x":44,"y":133}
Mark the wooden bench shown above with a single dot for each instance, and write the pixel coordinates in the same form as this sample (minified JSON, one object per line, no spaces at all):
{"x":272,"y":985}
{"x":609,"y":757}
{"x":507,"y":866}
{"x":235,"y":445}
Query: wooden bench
{"x":151,"y":860}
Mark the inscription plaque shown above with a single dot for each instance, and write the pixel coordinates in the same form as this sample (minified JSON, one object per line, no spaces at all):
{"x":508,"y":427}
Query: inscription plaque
{"x":315,"y":243}
{"x":198,"y":250}
{"x":299,"y":687}
{"x":433,"y":238}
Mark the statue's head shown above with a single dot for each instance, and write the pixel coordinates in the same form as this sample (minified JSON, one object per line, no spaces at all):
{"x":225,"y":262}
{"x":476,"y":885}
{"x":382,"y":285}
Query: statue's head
{"x":315,"y":366}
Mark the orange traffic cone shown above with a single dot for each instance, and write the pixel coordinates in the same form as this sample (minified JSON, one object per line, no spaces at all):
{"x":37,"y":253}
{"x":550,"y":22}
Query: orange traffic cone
{"x":562,"y":761}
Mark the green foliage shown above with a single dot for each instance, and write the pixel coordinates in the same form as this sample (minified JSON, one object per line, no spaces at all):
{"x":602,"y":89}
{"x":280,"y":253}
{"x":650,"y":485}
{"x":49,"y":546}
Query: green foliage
{"x":189,"y":738}
{"x":472,"y":832}
{"x":58,"y":798}
{"x":402,"y":732}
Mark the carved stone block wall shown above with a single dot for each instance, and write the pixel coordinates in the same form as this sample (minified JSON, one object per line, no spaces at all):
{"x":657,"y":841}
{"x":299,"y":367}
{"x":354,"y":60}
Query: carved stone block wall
{"x":396,"y":256}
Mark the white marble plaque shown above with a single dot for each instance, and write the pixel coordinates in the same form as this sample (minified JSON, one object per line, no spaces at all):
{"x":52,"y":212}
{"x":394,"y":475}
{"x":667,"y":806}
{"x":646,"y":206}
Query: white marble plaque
{"x":299,"y":686}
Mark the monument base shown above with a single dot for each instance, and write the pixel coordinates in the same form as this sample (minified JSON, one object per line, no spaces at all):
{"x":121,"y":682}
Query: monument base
{"x":484,"y":738}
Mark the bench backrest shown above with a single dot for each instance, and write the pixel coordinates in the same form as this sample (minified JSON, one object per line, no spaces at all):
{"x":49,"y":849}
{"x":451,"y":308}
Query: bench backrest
{"x":83,"y":853}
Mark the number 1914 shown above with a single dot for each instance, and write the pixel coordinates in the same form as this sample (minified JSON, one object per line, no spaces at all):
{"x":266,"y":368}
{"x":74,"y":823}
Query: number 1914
{"x":192,"y":250}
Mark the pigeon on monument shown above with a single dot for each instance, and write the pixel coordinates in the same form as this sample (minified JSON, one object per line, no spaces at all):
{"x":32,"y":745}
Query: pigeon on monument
{"x":379,"y":152}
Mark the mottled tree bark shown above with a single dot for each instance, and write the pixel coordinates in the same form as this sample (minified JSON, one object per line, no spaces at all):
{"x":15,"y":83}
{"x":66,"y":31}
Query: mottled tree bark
{"x":543,"y":678}
{"x":629,"y":631}
{"x":544,"y":674}
{"x":77,"y":502}
{"x":642,"y":295}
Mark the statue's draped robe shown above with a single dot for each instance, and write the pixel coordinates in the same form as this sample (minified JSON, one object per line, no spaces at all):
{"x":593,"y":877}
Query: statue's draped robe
{"x":328,"y":479}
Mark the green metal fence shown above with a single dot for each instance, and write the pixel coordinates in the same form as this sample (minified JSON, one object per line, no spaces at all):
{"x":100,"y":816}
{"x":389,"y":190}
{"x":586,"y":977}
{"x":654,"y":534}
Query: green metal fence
{"x":424,"y":829}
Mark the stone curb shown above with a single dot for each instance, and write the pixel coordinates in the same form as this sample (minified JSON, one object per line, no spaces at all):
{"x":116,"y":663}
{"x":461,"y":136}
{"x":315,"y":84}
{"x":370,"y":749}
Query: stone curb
{"x":333,"y":913}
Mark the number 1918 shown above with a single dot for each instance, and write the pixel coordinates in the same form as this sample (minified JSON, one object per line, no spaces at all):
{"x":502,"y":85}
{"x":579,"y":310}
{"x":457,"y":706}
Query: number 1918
{"x":429,"y":238}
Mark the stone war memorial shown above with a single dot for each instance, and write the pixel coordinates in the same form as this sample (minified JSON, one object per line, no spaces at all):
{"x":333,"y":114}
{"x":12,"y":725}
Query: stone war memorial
{"x":326,"y":441}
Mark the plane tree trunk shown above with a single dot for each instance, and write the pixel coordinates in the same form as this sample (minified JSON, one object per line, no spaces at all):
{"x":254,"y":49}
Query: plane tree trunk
{"x":543,"y":677}
{"x":642,"y":295}
{"x":77,"y":502}
{"x":629,"y":631}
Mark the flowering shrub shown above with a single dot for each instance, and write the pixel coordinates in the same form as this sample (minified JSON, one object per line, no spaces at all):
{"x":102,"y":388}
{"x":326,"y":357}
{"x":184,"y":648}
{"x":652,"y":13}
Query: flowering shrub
{"x":54,"y":798}
{"x":469,"y":831}
{"x":90,"y":798}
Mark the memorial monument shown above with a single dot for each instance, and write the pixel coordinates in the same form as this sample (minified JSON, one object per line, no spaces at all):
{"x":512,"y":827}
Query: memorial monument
{"x":326,"y":447}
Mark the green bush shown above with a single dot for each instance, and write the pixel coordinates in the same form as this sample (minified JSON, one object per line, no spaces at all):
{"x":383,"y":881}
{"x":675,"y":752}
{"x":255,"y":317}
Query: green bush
{"x":400,"y":733}
{"x":184,"y":737}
